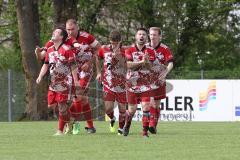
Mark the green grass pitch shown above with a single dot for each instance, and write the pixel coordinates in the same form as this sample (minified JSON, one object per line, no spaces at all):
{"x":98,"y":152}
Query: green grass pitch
{"x":174,"y":141}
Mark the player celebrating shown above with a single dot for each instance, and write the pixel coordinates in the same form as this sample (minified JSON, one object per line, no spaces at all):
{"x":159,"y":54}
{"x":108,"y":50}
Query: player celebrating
{"x":85,"y":56}
{"x":139,"y":81}
{"x":114,"y":79}
{"x":164,"y":57}
{"x":86,"y":47}
{"x":58,"y":59}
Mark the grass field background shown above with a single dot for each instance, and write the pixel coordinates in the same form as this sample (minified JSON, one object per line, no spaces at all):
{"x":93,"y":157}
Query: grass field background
{"x":174,"y":141}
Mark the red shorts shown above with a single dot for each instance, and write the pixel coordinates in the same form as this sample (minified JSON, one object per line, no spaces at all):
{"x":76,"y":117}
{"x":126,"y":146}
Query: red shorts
{"x":160,"y":93}
{"x":84,"y":84}
{"x":56,"y":97}
{"x":112,"y":96}
{"x":135,"y":98}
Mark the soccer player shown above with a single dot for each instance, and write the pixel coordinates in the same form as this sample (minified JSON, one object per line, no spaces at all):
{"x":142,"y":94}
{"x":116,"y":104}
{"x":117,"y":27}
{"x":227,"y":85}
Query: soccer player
{"x":85,"y":57}
{"x":59,"y":60}
{"x":114,"y":79}
{"x":164,"y":57}
{"x":139,"y":81}
{"x":87,"y":48}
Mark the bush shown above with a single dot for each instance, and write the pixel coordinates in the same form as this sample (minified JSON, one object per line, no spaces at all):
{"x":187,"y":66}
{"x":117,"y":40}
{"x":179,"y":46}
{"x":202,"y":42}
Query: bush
{"x":10,"y":59}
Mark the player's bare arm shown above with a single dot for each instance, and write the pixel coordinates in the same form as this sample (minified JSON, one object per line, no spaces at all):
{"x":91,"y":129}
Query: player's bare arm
{"x":98,"y":69}
{"x":97,"y":61}
{"x":133,"y":65}
{"x":143,"y":63}
{"x":78,"y":46}
{"x":88,"y":64}
{"x":43,"y":71}
{"x":168,"y":69}
{"x":40,"y":53}
{"x":121,"y":59}
{"x":147,"y":64}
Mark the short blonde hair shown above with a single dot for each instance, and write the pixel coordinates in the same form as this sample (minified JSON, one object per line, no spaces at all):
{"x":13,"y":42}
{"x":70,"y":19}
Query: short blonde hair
{"x":156,"y":29}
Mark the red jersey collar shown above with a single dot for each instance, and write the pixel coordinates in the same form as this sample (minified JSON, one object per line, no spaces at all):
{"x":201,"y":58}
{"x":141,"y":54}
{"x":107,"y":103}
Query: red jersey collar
{"x":144,"y":47}
{"x":56,"y":49}
{"x":156,"y":46}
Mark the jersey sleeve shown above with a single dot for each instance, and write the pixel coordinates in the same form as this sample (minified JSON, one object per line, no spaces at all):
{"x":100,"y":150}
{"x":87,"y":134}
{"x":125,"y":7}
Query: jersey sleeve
{"x":168,"y":55}
{"x":70,"y":55}
{"x":88,"y":38}
{"x":92,"y":40}
{"x":128,"y":55}
{"x":48,"y":45}
{"x":46,"y":59}
{"x":152,"y":54}
{"x":70,"y":41}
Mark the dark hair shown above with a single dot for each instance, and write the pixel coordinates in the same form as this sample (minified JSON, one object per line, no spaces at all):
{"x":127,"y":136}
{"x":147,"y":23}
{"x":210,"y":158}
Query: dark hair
{"x":63,"y":33}
{"x":115,"y":36}
{"x":58,"y":25}
{"x":142,"y":29}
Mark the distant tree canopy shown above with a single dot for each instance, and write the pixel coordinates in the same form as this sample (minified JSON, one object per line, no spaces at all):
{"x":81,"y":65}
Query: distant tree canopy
{"x":205,"y":32}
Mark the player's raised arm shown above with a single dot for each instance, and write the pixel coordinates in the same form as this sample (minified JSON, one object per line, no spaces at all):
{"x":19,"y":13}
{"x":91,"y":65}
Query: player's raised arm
{"x":40,"y":53}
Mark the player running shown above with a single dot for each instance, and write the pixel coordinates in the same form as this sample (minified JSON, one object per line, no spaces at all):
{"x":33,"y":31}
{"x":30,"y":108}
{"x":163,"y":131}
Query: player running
{"x":86,"y":47}
{"x":164,"y":64}
{"x":114,"y":79}
{"x":59,"y":59}
{"x":140,"y":59}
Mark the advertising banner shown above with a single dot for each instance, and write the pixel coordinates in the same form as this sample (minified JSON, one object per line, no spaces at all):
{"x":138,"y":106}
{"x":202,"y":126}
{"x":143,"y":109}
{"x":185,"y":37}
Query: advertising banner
{"x":199,"y":100}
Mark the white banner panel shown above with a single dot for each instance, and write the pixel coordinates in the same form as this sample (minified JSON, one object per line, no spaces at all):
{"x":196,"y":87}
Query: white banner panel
{"x":236,"y":100}
{"x":207,"y":100}
{"x":199,"y":100}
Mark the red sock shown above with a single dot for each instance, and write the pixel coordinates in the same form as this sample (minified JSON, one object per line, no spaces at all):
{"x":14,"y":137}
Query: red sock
{"x":75,"y":110}
{"x":72,"y":110}
{"x":87,"y":112}
{"x":154,"y":115}
{"x":145,"y":120}
{"x":78,"y":110}
{"x":121,"y":118}
{"x":62,"y":120}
